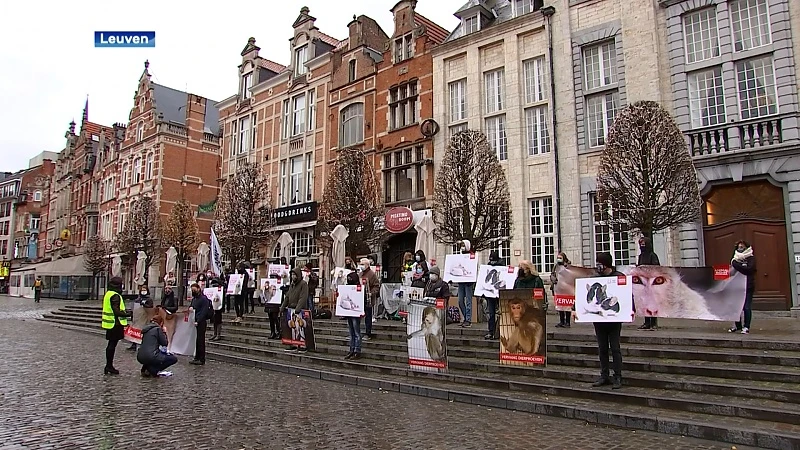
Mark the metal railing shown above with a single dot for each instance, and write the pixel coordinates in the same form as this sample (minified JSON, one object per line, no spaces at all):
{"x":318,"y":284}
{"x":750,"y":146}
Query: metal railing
{"x":744,"y":135}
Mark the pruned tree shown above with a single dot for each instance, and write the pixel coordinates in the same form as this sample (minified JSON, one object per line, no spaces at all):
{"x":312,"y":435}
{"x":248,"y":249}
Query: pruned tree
{"x":141,"y":232}
{"x":180,"y":231}
{"x":244,"y":219}
{"x":95,"y":259}
{"x":352,"y":198}
{"x":646,"y":176}
{"x":470,"y":199}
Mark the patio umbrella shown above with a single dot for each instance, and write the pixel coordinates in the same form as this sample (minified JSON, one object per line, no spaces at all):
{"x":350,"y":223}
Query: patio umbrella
{"x":425,"y":240}
{"x":285,"y":242}
{"x":141,"y":262}
{"x":339,"y":236}
{"x":202,"y":256}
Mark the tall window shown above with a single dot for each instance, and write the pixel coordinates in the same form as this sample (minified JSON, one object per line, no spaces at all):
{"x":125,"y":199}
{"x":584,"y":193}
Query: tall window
{"x":284,"y":186}
{"x":495,"y":97}
{"x":542,"y":234}
{"x":755,"y":81}
{"x":247,"y":83}
{"x":234,"y":138}
{"x":351,"y":71}
{"x":351,"y":130}
{"x":503,"y":243}
{"x":537,"y":135}
{"x":600,"y":65}
{"x":148,"y":170}
{"x":456,"y":129}
{"x":125,"y":175}
{"x":35,"y":223}
{"x":309,"y":176}
{"x":600,"y":74}
{"x":403,"y":174}
{"x":140,"y":132}
{"x":312,"y":110}
{"x":253,"y":134}
{"x":137,"y":170}
{"x":286,"y":120}
{"x":536,"y":128}
{"x":298,"y":114}
{"x":701,"y":36}
{"x":300,"y":58}
{"x":244,"y":135}
{"x":471,"y":24}
{"x":403,"y":104}
{"x":535,"y":80}
{"x":750,"y":20}
{"x":458,"y":100}
{"x":403,"y":48}
{"x":526,"y":6}
{"x":496,"y":135}
{"x":295,"y":180}
{"x":605,"y":238}
{"x":706,"y":97}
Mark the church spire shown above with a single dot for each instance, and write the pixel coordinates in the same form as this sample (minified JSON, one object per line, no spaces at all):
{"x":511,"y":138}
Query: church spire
{"x":86,"y":109}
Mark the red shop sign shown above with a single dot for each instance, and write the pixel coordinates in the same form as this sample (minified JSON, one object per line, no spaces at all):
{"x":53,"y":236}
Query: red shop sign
{"x":398,"y":220}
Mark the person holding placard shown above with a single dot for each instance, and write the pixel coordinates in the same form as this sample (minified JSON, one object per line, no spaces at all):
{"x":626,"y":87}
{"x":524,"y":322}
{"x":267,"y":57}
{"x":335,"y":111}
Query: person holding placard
{"x":465,"y":291}
{"x":354,"y":323}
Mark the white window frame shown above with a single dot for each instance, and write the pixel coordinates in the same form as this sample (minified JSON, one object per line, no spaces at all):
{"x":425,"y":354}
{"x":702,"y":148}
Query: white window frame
{"x":298,"y":114}
{"x":125,"y":175}
{"x":494,"y":90}
{"x":603,"y":56}
{"x":699,"y":101}
{"x":605,"y":239}
{"x":522,"y":7}
{"x":352,"y":70}
{"x":137,"y":170}
{"x":234,"y":137}
{"x":284,"y":183}
{"x":456,"y":129}
{"x":296,"y":180}
{"x":692,"y":25}
{"x":309,"y":177}
{"x":247,"y":83}
{"x":244,"y":135}
{"x":458,"y":100}
{"x":286,"y":125}
{"x":537,"y":132}
{"x":535,"y":77}
{"x":37,"y":196}
{"x":351,"y":127}
{"x":542,"y":227}
{"x":254,"y":131}
{"x":608,"y":116}
{"x":300,"y":59}
{"x":403,"y":100}
{"x":503,"y":244}
{"x":140,"y":132}
{"x":403,"y":47}
{"x":497,"y":136}
{"x":148,"y":170}
{"x":471,"y":24}
{"x":768,"y":98}
{"x":762,"y":37}
{"x":312,"y":110}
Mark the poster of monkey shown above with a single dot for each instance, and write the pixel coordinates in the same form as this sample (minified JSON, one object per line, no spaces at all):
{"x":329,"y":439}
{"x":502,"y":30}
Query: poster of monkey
{"x":297,"y":329}
{"x":523,"y":327}
{"x":427,"y":348}
{"x":271,"y":293}
{"x":349,"y":300}
{"x":491,"y":279}
{"x":604,"y":299}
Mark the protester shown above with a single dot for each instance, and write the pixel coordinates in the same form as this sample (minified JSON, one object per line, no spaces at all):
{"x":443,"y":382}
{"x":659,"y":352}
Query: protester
{"x":647,"y":257}
{"x":152,"y":353}
{"x":240,"y":301}
{"x":202,"y":280}
{"x":744,"y":261}
{"x":372,"y":287}
{"x":226,"y":275}
{"x":114,"y":321}
{"x":200,"y":306}
{"x":294,"y":299}
{"x":37,"y":290}
{"x":419,"y":276}
{"x":168,"y":301}
{"x":216,"y":305}
{"x":563,"y":316}
{"x":408,"y":262}
{"x":528,"y":277}
{"x":354,"y":323}
{"x":144,"y":300}
{"x":493,"y":303}
{"x":273,"y":310}
{"x":251,"y":289}
{"x":313,"y":283}
{"x":465,"y":291}
{"x":437,"y":288}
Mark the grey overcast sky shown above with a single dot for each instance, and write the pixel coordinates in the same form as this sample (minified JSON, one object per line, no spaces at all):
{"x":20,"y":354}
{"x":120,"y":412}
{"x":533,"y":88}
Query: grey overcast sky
{"x":49,"y":62}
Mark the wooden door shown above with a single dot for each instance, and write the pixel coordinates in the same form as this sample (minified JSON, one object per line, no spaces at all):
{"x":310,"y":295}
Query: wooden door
{"x":397,"y":246}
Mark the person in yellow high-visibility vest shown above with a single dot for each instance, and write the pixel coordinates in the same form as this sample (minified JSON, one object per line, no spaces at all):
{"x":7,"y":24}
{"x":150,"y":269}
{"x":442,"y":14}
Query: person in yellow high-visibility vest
{"x":114,"y":320}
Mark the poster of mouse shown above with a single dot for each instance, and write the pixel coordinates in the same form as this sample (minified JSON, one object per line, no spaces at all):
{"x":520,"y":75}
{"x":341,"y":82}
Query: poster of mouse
{"x":349,"y":300}
{"x":523,"y":328}
{"x":297,"y":329}
{"x":604,"y":299}
{"x":492,"y":279}
{"x":460,"y":268}
{"x":427,"y":348}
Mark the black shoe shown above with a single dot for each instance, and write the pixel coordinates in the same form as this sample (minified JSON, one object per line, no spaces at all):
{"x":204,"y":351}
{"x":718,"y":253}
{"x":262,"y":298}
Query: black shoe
{"x":356,"y":356}
{"x":145,"y":373}
{"x":560,"y":325}
{"x":349,"y":356}
{"x":566,"y":325}
{"x":616,"y":383}
{"x":291,"y":349}
{"x":197,"y":362}
{"x":644,"y":327}
{"x":110,"y":371}
{"x":302,"y":350}
{"x":603,"y":381}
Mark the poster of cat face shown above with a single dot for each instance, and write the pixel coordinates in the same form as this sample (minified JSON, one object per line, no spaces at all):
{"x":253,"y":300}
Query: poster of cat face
{"x":460,"y":268}
{"x":604,"y":299}
{"x":271,"y":290}
{"x":523,"y":326}
{"x":493,"y":279}
{"x":297,"y":329}
{"x":425,"y":325}
{"x":349,"y":300}
{"x":215,"y":295}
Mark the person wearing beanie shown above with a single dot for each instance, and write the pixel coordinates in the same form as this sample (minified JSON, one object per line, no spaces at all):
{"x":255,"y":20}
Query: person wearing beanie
{"x":437,"y":288}
{"x":493,"y":303}
{"x":114,"y":321}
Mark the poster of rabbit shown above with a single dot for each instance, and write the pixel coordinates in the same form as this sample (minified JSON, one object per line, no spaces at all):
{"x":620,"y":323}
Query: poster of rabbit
{"x":491,"y":279}
{"x":349,"y":300}
{"x":427,"y":348}
{"x":604,"y":299}
{"x":460,"y":268}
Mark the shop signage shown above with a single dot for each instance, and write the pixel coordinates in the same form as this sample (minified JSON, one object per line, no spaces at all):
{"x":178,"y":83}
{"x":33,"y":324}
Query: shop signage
{"x":304,"y":212}
{"x":398,"y":220}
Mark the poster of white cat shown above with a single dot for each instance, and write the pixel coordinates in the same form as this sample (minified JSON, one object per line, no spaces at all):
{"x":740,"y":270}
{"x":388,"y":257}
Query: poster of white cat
{"x":215,"y":295}
{"x":523,"y":325}
{"x":271,"y":293}
{"x":460,"y":268}
{"x":235,"y":281}
{"x":427,"y":347}
{"x":349,"y":300}
{"x":492,"y":279}
{"x":604,"y":299}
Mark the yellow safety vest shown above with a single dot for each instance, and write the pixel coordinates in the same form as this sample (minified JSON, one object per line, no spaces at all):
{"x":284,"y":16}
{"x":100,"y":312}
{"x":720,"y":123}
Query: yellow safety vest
{"x":108,"y":314}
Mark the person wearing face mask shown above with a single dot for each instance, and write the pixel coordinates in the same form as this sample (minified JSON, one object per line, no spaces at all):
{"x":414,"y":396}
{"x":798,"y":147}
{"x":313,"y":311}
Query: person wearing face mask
{"x":437,"y":288}
{"x":420,"y":271}
{"x":563,"y":316}
{"x":492,"y":303}
{"x":465,"y":291}
{"x":647,"y":257}
{"x":201,"y":306}
{"x":372,"y":285}
{"x":745,"y":263}
{"x":354,"y":323}
{"x":295,"y":298}
{"x":146,"y":302}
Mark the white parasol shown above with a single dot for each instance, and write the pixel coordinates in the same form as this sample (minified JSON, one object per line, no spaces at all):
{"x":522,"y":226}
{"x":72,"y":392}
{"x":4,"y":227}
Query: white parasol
{"x":339,"y":236}
{"x":116,"y":266}
{"x":425,"y":240}
{"x":172,"y":260}
{"x":202,"y":256}
{"x":285,"y":242}
{"x":141,"y":262}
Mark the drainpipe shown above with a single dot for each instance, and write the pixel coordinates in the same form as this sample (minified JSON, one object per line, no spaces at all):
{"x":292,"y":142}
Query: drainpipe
{"x":548,"y":12}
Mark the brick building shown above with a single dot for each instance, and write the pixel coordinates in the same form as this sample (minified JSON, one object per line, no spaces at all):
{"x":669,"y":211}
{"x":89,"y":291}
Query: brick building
{"x":279,"y":119}
{"x":31,"y":205}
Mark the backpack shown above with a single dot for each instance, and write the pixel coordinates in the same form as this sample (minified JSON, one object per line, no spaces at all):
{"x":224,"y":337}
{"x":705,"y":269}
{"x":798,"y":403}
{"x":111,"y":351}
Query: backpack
{"x":453,"y":315}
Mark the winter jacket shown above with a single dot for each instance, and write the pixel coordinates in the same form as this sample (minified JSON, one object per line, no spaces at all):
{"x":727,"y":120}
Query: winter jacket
{"x":152,"y":338}
{"x":169,"y":302}
{"x":528,"y":281}
{"x":748,"y":269}
{"x":494,"y":259}
{"x":202,"y":307}
{"x":648,"y":257}
{"x":421,"y":272}
{"x":296,"y":297}
{"x":373,"y":285}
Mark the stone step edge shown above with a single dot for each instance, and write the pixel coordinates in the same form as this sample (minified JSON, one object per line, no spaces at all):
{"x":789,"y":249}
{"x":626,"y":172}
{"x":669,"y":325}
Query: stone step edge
{"x":657,"y":423}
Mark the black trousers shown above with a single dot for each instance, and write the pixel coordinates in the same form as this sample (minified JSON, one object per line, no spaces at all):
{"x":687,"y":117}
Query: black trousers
{"x":111,"y":348}
{"x":200,"y":342}
{"x":651,"y":322}
{"x":608,"y":337}
{"x":564,"y":317}
{"x":252,"y":301}
{"x":274,"y":323}
{"x":227,"y":303}
{"x":240,"y":305}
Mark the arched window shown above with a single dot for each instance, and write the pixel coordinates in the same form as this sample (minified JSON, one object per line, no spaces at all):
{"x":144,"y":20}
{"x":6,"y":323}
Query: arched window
{"x":351,"y":128}
{"x":140,"y":132}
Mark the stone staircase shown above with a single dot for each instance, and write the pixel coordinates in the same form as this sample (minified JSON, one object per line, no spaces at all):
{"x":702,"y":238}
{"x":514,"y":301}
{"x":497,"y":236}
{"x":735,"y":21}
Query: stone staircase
{"x":731,"y":388}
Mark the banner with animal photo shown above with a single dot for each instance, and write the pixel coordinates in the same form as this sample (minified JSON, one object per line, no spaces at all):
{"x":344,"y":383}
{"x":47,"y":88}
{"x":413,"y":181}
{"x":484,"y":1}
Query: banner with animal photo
{"x":271,"y":293}
{"x":339,"y":276}
{"x":707,"y":293}
{"x":178,"y":327}
{"x":350,"y":300}
{"x":563,"y":278}
{"x":235,"y":281}
{"x":184,"y":336}
{"x":427,"y":348}
{"x":492,"y":279}
{"x":604,"y":299}
{"x":215,"y":295}
{"x":141,"y":317}
{"x":297,"y":329}
{"x":460,"y":268}
{"x":278,"y":270}
{"x":523,"y":327}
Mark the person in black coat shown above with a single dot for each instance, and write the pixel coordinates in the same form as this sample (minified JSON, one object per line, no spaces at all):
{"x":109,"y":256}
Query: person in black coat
{"x":117,"y":333}
{"x":647,"y":257}
{"x":493,"y":303}
{"x":744,"y":261}
{"x":150,"y":355}
{"x":200,"y":305}
{"x":168,"y":301}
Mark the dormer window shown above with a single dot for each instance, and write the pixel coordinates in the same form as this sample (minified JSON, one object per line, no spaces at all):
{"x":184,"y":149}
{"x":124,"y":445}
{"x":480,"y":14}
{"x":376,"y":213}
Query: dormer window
{"x":300,"y":58}
{"x":471,"y":24}
{"x":526,"y":6}
{"x":247,"y":83}
{"x":351,"y":71}
{"x":141,"y":104}
{"x":402,"y":48}
{"x":140,"y":132}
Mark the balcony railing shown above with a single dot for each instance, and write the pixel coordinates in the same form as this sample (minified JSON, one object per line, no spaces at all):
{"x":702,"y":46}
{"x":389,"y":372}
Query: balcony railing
{"x":92,"y":208}
{"x":211,"y":138}
{"x":296,"y":144}
{"x":171,"y":128}
{"x":746,"y":135}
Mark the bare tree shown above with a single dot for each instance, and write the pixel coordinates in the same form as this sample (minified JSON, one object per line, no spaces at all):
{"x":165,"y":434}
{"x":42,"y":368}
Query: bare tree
{"x":471,"y":199}
{"x":142,"y":232}
{"x":95,"y":259}
{"x":352,"y":198}
{"x":244,"y":212}
{"x":646,"y":175}
{"x":180,"y":231}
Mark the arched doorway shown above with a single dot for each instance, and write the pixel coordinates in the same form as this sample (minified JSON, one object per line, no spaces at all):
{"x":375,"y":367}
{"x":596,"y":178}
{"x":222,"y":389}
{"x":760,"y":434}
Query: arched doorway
{"x":752,"y":211}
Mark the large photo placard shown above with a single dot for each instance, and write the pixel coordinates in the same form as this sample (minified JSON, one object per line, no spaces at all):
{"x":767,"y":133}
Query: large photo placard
{"x":235,"y":281}
{"x":523,"y":328}
{"x":460,"y":268}
{"x":297,"y":329}
{"x":493,"y":279}
{"x":427,"y":348}
{"x":349,"y":300}
{"x":271,"y":293}
{"x":604,"y":299}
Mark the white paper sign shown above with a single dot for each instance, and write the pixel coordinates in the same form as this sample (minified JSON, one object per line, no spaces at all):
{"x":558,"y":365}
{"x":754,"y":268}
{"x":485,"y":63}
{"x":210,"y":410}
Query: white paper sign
{"x":215,"y":295}
{"x":491,"y":279}
{"x":604,"y":299}
{"x":277,"y":270}
{"x":460,"y":268}
{"x":350,"y":300}
{"x":271,"y":290}
{"x":235,"y":284}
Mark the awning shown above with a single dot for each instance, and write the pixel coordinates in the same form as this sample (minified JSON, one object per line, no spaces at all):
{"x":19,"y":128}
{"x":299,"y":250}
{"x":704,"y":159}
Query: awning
{"x":65,"y":266}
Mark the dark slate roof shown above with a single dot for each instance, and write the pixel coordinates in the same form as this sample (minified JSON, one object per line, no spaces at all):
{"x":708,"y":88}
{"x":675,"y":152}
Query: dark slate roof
{"x":172,"y":103}
{"x":503,"y":10}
